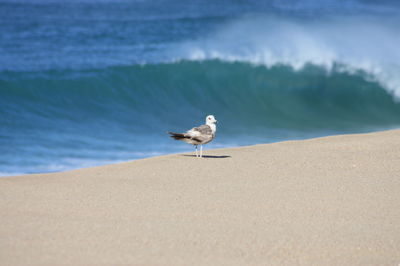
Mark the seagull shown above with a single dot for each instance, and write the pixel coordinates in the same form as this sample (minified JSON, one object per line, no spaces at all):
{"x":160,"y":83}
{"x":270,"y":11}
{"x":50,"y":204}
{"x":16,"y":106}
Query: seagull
{"x":198,"y":135}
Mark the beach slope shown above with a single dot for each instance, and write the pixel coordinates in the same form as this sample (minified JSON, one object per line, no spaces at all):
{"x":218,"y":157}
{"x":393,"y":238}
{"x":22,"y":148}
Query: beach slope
{"x":326,"y":201}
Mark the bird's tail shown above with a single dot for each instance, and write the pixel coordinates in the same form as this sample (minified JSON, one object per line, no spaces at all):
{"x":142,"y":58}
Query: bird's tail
{"x":177,"y":136}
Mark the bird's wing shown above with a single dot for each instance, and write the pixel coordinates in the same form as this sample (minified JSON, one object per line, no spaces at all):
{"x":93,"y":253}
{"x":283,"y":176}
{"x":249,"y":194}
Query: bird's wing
{"x":199,"y":131}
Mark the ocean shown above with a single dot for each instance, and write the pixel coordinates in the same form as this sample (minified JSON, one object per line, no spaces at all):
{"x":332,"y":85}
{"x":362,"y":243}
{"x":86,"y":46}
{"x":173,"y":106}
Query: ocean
{"x":93,"y":82}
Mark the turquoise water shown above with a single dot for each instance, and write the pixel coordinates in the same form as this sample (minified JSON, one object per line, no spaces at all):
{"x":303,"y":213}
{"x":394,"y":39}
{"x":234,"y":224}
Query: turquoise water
{"x":86,"y":83}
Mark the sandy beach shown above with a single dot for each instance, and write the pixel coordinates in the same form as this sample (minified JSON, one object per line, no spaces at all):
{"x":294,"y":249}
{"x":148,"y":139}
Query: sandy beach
{"x":326,"y":201}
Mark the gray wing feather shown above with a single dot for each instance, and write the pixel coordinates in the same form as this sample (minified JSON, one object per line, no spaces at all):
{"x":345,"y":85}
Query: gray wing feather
{"x":203,"y":130}
{"x":201,"y":134}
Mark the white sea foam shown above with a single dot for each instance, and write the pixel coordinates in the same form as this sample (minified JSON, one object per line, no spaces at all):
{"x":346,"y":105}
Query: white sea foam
{"x":348,"y":44}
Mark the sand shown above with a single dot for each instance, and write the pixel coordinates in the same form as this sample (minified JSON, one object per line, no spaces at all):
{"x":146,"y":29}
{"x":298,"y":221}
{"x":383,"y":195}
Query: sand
{"x":325,"y":201}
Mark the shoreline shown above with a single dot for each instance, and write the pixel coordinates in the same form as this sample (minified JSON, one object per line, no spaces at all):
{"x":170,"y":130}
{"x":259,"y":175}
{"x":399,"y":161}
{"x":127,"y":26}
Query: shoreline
{"x":328,"y":201}
{"x":189,"y":153}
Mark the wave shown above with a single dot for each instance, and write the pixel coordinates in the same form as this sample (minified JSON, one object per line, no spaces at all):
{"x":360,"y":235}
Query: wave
{"x":340,"y":43}
{"x":355,"y":41}
{"x":273,"y":97}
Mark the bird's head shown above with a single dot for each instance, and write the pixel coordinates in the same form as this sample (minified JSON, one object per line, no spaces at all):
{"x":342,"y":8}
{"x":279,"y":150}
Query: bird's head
{"x":210,"y":119}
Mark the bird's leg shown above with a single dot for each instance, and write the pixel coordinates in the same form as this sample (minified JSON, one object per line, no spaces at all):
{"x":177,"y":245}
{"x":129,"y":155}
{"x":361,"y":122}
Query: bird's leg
{"x":201,"y":151}
{"x":196,"y":151}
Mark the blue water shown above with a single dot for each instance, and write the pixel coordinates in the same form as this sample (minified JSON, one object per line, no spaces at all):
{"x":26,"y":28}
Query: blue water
{"x":86,"y":82}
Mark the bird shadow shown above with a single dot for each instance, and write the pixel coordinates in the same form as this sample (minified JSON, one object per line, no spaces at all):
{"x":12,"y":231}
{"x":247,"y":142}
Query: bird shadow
{"x":210,"y":156}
